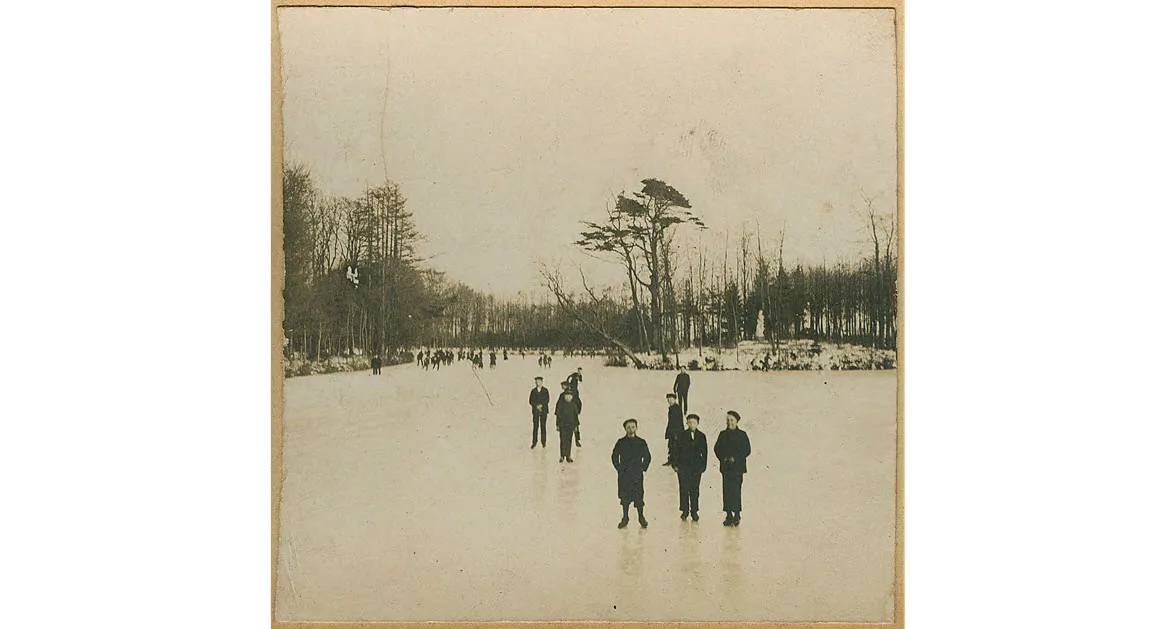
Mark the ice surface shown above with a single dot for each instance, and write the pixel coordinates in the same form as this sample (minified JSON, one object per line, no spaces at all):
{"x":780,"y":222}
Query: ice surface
{"x":408,"y":496}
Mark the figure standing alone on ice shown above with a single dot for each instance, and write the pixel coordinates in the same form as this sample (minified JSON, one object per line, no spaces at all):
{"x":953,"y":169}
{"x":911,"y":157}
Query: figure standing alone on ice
{"x":682,"y":384}
{"x":540,"y":400}
{"x":732,"y":449}
{"x":631,"y":457}
{"x":689,"y":462}
{"x":566,"y":417}
{"x":573,"y":382}
{"x":674,"y":424}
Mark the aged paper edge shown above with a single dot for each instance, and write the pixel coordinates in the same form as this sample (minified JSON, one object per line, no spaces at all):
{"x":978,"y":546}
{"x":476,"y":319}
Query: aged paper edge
{"x":277,"y":276}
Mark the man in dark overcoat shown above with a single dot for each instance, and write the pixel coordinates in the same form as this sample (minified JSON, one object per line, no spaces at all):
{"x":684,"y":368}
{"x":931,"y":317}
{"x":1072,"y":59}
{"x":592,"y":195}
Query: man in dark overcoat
{"x":540,"y":401}
{"x":565,"y":419}
{"x":674,"y":424}
{"x":573,"y":382}
{"x":689,"y":462}
{"x":732,"y":448}
{"x":631,"y":457}
{"x":682,"y":385}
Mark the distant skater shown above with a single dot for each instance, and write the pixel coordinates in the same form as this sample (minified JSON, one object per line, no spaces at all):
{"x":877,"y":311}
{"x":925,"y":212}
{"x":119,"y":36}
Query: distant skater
{"x":492,"y":355}
{"x":732,"y":448}
{"x":631,"y":458}
{"x":689,"y":462}
{"x":504,"y":354}
{"x":565,"y":419}
{"x":674,"y":424}
{"x":540,"y":400}
{"x":376,"y":366}
{"x":682,"y":384}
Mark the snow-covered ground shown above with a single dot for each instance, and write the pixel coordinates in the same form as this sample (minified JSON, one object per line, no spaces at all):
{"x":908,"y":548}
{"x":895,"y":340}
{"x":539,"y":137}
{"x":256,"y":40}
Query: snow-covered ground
{"x":790,"y":355}
{"x":408,"y":496}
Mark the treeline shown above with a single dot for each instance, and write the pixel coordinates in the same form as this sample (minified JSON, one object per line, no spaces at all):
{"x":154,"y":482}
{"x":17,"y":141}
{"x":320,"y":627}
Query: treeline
{"x":468,"y":318}
{"x":675,"y":299}
{"x":354,"y":284}
{"x":757,"y":296}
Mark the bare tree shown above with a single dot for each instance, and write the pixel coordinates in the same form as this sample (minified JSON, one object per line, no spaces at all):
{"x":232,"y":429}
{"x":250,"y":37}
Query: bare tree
{"x":644,"y":222}
{"x":882,"y":230}
{"x":619,"y":236}
{"x":592,"y":313}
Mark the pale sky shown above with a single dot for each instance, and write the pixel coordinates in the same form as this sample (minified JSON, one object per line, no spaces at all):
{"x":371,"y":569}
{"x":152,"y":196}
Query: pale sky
{"x":506,"y":127}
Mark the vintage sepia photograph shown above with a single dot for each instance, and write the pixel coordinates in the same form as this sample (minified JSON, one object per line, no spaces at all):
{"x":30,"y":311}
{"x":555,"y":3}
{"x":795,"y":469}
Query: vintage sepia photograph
{"x":588,"y":314}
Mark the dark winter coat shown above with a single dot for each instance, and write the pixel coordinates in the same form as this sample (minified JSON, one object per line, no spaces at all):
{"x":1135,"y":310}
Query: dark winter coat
{"x":732,"y":449}
{"x":631,"y":457}
{"x":689,"y":454}
{"x":682,"y":383}
{"x":566,"y":414}
{"x":540,"y":396}
{"x":574,"y":400}
{"x":674,"y":421}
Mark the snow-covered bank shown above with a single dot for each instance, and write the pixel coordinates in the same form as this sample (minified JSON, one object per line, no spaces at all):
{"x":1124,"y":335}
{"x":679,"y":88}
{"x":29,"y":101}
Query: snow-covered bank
{"x":335,"y":364}
{"x":791,"y":355}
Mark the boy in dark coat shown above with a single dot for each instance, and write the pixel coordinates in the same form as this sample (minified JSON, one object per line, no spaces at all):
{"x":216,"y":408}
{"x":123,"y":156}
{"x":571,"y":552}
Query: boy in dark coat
{"x":682,"y":385}
{"x":631,"y":457}
{"x":674,"y":424}
{"x":565,"y":419}
{"x":540,"y":401}
{"x":376,"y":365}
{"x":689,"y":462}
{"x":732,"y":449}
{"x":573,"y":381}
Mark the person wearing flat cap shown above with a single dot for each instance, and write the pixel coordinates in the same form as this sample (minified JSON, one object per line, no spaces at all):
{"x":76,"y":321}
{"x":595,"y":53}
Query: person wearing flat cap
{"x":631,"y":457}
{"x":689,"y":462}
{"x":732,"y":448}
{"x":540,"y":401}
{"x":566,"y":419}
{"x":573,"y":382}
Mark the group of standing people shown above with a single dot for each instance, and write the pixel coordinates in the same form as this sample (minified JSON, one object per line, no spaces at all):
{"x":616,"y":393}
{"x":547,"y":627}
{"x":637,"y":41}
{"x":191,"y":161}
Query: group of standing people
{"x":567,"y":410}
{"x":687,"y":448}
{"x":433,"y":360}
{"x":687,"y":456}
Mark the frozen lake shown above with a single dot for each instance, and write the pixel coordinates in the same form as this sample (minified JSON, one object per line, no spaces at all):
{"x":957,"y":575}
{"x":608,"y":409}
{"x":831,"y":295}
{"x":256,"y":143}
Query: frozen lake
{"x":407,"y":496}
